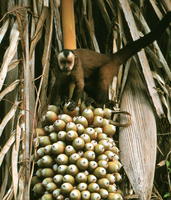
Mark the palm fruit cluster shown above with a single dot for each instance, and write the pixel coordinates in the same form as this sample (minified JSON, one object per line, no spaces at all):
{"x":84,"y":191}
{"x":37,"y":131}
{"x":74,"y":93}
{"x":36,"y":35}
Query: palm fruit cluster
{"x":77,"y":158}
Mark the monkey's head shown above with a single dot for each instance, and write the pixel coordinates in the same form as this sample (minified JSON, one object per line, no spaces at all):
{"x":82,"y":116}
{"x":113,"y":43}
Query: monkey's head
{"x":66,"y":59}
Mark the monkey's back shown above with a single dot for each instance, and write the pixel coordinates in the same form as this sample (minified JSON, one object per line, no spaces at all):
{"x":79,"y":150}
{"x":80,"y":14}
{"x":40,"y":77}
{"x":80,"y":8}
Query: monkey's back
{"x":91,"y":60}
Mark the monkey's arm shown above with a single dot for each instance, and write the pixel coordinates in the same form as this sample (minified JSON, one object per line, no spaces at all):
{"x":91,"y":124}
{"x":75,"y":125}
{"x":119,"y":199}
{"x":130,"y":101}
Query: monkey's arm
{"x":79,"y":87}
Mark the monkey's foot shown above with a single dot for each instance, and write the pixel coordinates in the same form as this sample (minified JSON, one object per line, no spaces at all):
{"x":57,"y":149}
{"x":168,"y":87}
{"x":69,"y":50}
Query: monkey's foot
{"x":72,"y":105}
{"x":111,"y":104}
{"x":89,"y":101}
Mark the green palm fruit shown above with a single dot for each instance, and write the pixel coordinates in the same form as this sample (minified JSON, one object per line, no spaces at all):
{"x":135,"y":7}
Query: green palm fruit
{"x":90,"y":155}
{"x":53,"y":137}
{"x":78,"y":143}
{"x":50,"y":187}
{"x":102,"y":157}
{"x":69,"y":150}
{"x":47,"y":172}
{"x":98,"y":130}
{"x":72,"y":170}
{"x":107,"y":113}
{"x":44,"y":141}
{"x":58,"y":179}
{"x":111,"y":188}
{"x":101,"y":136}
{"x":82,"y":120}
{"x":35,"y":180}
{"x":39,"y":132}
{"x":66,"y":118}
{"x":55,"y":167}
{"x":89,"y":147}
{"x":81,"y":177}
{"x":100,"y":172}
{"x":57,"y":148}
{"x":71,"y":126}
{"x":105,"y":143}
{"x":111,"y":178}
{"x":88,"y":114}
{"x":91,"y":132}
{"x":105,"y":122}
{"x":41,"y":151}
{"x":47,"y":197}
{"x":46,"y":181}
{"x":103,"y":163}
{"x":114,"y":196}
{"x":103,"y":183}
{"x":66,"y":188}
{"x":53,"y":108}
{"x":47,"y":161}
{"x":62,"y":169}
{"x":80,"y":129}
{"x":109,"y":129}
{"x":99,"y":149}
{"x":59,"y":125}
{"x":48,"y":149}
{"x":73,"y":158}
{"x":93,"y":187}
{"x":39,"y":188}
{"x":82,"y":163}
{"x":91,"y":179}
{"x":75,"y":195}
{"x":92,"y":165}
{"x":50,"y":117}
{"x":62,"y":159}
{"x":56,"y":192}
{"x":85,"y":137}
{"x":69,"y":179}
{"x":85,"y":195}
{"x":61,"y":135}
{"x":97,"y":121}
{"x":98,"y":112}
{"x":71,"y":135}
{"x":95,"y":196}
{"x":82,"y":186}
{"x":68,"y":112}
{"x":103,"y":193}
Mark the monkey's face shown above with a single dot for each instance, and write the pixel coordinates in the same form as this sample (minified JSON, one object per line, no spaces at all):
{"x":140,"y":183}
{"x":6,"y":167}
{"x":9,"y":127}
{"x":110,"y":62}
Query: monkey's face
{"x":66,"y":61}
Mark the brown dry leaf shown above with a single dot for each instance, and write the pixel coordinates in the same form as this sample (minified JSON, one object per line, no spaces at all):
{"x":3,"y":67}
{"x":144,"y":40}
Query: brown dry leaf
{"x":3,"y":29}
{"x":4,"y":183}
{"x":166,"y":102}
{"x":46,"y":56}
{"x":9,"y":194}
{"x":13,"y":64}
{"x":21,"y":184}
{"x":15,"y":169}
{"x":154,"y":98}
{"x":10,"y":88}
{"x":18,"y":133}
{"x":6,"y":119}
{"x":7,"y":147}
{"x":39,"y":29}
{"x":162,"y":163}
{"x":10,"y":52}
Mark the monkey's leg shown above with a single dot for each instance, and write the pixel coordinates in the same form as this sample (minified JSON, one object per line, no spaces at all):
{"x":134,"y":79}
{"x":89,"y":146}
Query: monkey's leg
{"x":76,"y":95}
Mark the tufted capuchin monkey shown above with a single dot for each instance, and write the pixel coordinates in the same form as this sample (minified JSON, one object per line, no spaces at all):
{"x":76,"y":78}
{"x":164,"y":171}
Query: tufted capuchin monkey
{"x":92,"y":71}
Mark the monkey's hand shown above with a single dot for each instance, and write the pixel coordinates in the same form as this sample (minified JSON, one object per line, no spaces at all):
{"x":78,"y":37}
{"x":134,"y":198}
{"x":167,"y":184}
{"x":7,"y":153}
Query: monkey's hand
{"x":72,"y":105}
{"x":89,"y":101}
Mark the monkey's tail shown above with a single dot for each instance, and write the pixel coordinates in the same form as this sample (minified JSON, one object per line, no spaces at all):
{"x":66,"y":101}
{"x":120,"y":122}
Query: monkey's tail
{"x":135,"y":46}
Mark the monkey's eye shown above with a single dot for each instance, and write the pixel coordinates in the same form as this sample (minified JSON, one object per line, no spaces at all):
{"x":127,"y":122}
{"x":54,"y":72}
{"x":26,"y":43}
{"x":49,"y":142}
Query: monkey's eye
{"x":63,"y":62}
{"x":69,"y":62}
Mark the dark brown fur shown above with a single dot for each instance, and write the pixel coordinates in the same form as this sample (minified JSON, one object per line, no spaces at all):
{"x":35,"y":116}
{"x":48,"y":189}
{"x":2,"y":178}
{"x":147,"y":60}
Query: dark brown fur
{"x":93,"y":72}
